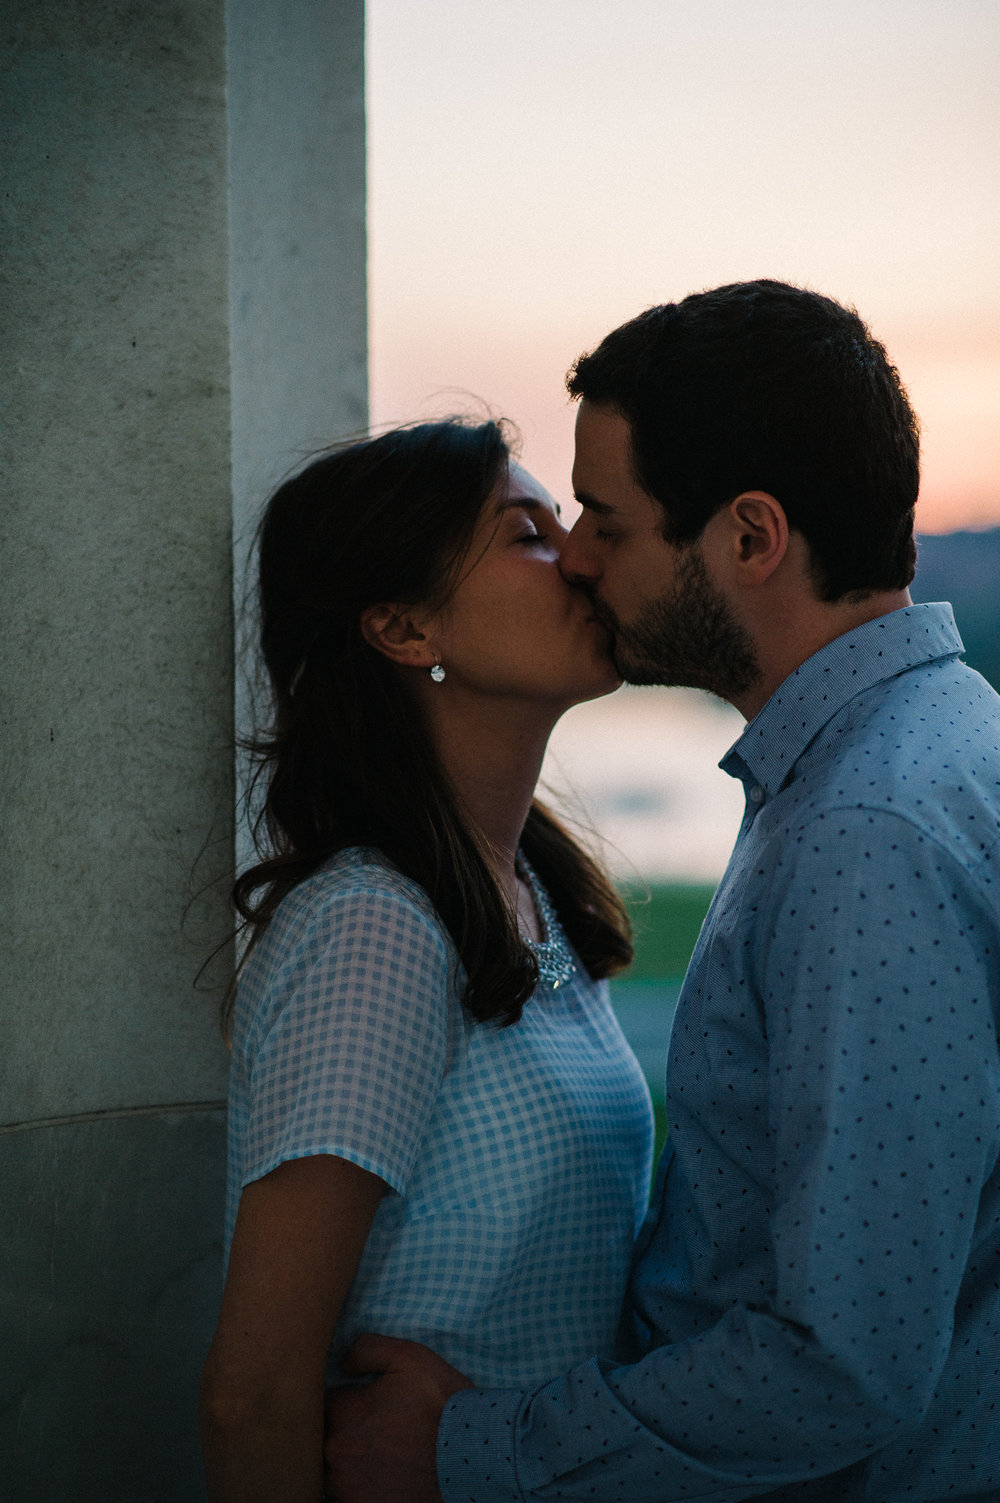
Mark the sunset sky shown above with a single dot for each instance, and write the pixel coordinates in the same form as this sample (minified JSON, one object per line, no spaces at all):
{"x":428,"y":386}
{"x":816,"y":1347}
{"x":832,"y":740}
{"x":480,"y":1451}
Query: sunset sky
{"x":541,"y":170}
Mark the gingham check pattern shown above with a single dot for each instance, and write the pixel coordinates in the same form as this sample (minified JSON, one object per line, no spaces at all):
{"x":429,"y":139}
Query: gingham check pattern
{"x":518,"y":1157}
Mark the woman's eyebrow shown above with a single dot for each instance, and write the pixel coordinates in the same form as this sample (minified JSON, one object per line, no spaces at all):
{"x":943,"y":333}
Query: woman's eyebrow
{"x":521,"y":503}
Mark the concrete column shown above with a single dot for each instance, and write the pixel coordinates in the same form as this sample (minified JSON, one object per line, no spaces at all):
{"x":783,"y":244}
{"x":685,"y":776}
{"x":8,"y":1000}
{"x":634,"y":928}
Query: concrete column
{"x":298,"y":301}
{"x":154,"y":322}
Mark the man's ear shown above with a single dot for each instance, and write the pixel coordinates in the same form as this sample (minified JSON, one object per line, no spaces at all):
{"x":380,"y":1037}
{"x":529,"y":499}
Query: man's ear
{"x":395,"y":631}
{"x":757,"y":530}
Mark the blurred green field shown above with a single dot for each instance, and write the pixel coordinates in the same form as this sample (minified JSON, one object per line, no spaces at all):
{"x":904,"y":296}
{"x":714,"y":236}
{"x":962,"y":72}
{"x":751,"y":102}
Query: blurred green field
{"x":665,"y":918}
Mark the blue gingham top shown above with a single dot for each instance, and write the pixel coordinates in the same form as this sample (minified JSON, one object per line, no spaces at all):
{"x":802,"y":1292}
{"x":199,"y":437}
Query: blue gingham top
{"x":517,"y":1158}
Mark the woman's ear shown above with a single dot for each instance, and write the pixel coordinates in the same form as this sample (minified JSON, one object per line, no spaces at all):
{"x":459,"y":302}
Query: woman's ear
{"x":395,"y":631}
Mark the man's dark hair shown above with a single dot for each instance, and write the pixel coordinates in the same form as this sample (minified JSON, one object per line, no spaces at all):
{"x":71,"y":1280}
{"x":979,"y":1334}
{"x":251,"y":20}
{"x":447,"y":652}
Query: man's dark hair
{"x":764,"y":386}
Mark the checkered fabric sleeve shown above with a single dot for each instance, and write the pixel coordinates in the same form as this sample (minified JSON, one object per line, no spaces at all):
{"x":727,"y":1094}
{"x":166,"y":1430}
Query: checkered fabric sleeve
{"x":347,"y":1041}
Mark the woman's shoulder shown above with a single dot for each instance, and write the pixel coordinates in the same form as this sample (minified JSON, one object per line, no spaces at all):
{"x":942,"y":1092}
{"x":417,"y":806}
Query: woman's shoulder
{"x":355,"y":928}
{"x":360,"y":891}
{"x":365,"y":870}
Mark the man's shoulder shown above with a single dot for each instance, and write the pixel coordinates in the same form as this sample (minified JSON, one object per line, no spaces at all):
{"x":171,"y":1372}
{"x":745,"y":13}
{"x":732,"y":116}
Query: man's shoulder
{"x":935,"y":716}
{"x":931,"y":713}
{"x":923,"y":746}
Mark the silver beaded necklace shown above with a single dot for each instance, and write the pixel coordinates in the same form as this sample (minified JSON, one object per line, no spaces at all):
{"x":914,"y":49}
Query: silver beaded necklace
{"x":556,"y":965}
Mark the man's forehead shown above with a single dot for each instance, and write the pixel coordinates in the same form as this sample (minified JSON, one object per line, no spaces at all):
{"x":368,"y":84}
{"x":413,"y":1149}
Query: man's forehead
{"x":603,"y":475}
{"x":603,"y":419}
{"x":603,"y":438}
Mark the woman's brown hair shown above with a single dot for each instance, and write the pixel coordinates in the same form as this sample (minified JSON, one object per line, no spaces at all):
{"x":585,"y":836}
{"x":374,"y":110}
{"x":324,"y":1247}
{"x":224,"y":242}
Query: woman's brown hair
{"x":348,"y":759}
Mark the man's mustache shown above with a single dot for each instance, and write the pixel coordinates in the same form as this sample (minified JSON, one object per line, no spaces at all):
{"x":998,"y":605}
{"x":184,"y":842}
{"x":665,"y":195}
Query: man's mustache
{"x":605,"y":615}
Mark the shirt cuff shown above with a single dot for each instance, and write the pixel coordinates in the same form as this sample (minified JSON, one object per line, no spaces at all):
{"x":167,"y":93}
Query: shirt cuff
{"x":475,"y":1446}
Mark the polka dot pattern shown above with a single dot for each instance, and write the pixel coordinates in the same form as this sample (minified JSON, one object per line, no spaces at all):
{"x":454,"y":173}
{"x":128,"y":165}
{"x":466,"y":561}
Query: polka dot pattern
{"x":816,"y":1292}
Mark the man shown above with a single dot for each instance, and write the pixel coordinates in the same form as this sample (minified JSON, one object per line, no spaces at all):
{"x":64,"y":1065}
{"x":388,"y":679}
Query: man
{"x":816,"y":1293}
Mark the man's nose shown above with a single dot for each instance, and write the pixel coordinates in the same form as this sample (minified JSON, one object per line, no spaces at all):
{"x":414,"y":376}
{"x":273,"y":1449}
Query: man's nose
{"x":577,"y":563}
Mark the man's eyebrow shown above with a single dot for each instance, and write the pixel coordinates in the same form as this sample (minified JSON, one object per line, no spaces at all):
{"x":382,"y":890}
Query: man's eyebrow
{"x":591,"y":503}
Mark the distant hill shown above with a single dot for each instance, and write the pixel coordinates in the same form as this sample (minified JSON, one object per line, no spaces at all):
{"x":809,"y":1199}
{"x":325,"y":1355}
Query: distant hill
{"x":964,"y":567}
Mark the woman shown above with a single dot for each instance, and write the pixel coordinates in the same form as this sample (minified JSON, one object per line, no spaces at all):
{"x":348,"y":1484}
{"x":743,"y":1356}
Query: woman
{"x":436,"y":1128}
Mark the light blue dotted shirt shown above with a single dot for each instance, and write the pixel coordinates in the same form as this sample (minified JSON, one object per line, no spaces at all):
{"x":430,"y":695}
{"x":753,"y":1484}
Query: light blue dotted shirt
{"x":518,"y":1158}
{"x":817,"y":1288}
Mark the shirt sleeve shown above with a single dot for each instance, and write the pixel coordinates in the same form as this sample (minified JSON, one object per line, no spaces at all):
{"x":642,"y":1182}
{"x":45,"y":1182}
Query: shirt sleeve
{"x":883,"y":1098}
{"x":352,"y":1044}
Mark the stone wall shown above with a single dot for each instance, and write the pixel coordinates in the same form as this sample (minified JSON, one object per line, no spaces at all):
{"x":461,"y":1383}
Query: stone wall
{"x":183,"y":316}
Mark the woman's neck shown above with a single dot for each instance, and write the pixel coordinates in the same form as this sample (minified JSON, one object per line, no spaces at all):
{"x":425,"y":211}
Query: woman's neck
{"x":493,"y":756}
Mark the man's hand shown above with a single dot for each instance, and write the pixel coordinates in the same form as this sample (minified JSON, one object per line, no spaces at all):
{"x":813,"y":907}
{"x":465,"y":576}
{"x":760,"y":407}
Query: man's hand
{"x":381,"y":1441}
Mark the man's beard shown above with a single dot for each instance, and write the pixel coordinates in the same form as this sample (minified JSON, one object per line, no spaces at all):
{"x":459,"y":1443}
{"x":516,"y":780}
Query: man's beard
{"x":687,"y":638}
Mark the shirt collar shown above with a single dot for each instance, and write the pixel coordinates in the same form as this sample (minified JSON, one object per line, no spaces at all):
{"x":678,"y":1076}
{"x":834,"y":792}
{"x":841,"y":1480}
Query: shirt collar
{"x":777,"y":736}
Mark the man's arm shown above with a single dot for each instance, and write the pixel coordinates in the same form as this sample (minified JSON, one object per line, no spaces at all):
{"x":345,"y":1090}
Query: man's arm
{"x":381,"y":1437}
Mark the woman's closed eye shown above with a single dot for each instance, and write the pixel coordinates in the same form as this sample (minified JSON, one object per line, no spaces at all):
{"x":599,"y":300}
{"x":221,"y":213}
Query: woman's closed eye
{"x":529,"y":533}
{"x":534,"y":527}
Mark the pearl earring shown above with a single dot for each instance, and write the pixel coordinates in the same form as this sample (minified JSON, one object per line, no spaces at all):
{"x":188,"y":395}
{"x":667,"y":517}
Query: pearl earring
{"x":437,"y":672}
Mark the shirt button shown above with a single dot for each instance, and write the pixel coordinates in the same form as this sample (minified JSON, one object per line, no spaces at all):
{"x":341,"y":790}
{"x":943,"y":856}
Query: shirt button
{"x":757,"y":794}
